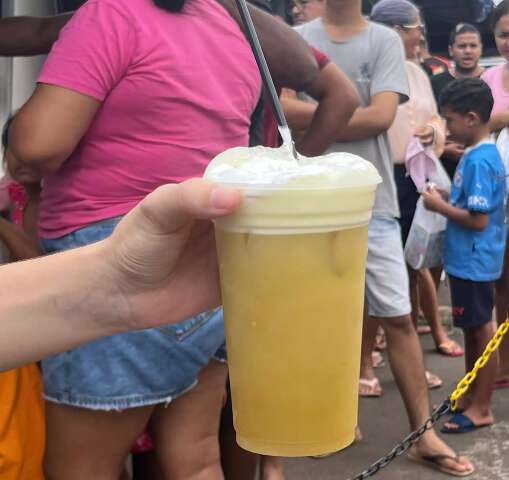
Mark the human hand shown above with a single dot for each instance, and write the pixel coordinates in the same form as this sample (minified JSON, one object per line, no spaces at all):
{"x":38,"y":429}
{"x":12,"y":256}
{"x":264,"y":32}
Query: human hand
{"x":454,"y":151}
{"x":161,"y":258}
{"x":426,"y":135}
{"x":433,"y":199}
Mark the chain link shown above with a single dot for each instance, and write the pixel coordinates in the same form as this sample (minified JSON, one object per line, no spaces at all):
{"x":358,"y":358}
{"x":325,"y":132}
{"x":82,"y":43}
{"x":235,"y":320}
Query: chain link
{"x":448,"y":405}
{"x":470,"y":377}
{"x":407,"y":442}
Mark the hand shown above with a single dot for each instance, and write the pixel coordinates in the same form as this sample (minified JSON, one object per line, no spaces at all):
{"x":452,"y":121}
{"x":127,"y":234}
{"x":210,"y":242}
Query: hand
{"x":454,"y":151}
{"x":162,"y":258}
{"x":426,"y":135}
{"x":433,"y":199}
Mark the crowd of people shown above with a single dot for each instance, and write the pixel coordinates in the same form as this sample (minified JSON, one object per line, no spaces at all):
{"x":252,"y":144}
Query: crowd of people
{"x":134,"y":99}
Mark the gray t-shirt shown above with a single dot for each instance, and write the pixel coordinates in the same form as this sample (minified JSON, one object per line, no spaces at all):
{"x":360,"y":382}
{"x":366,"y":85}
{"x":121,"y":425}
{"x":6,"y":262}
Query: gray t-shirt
{"x":374,"y":60}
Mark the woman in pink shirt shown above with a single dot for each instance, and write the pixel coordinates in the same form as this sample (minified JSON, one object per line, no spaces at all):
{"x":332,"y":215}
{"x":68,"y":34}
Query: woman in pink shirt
{"x":498,"y":80}
{"x":135,"y":94}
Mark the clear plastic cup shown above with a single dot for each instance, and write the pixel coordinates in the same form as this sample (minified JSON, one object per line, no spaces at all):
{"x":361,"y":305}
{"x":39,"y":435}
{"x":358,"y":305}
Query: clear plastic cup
{"x":292,"y":262}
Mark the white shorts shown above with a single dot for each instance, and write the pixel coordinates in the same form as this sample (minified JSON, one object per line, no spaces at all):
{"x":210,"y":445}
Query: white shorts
{"x":387,"y":285}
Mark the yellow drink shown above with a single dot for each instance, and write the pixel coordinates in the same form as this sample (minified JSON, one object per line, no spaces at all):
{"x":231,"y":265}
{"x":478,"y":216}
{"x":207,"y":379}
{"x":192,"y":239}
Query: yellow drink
{"x":293,"y":310}
{"x":292,"y":262}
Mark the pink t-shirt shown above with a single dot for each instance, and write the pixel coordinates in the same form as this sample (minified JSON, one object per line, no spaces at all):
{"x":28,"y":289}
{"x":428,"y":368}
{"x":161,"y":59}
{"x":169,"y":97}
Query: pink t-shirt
{"x":176,"y":90}
{"x":493,"y":77}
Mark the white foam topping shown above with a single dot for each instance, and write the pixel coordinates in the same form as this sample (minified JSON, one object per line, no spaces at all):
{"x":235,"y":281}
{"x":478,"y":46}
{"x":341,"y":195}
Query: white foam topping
{"x":266,"y":167}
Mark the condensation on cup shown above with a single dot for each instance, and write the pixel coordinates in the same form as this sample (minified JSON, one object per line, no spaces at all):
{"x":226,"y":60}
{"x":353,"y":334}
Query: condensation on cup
{"x":292,"y":262}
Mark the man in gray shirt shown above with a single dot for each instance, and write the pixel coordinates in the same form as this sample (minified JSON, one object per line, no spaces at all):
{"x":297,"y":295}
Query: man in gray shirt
{"x":372,"y":57}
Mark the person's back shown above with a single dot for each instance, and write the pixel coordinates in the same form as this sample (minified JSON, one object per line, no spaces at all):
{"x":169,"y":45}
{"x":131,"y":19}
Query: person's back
{"x":160,"y":120}
{"x":373,"y":60}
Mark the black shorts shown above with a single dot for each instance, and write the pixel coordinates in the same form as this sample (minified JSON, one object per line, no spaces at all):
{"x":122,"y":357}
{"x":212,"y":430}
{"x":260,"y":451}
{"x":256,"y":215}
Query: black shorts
{"x":407,"y":199}
{"x":472,"y":302}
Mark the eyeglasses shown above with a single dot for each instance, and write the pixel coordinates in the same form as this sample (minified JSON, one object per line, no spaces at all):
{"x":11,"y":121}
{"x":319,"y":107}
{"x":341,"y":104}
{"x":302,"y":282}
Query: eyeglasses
{"x":419,"y":26}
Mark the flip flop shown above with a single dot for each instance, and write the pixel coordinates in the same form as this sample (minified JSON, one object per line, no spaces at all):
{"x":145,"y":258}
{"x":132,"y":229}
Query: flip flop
{"x":450,"y":349}
{"x":372,"y":388}
{"x":377,"y":359}
{"x":502,"y":383}
{"x":464,"y":423}
{"x":436,"y":462}
{"x":433,"y":381}
{"x":423,"y":329}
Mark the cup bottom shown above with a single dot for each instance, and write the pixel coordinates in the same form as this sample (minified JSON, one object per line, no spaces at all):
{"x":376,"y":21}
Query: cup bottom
{"x":277,"y":449}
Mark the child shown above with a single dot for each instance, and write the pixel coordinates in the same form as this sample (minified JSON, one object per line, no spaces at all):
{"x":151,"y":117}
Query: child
{"x":475,"y":237}
{"x":21,"y":403}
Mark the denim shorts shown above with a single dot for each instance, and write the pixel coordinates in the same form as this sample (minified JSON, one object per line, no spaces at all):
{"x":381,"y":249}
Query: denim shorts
{"x":131,"y":369}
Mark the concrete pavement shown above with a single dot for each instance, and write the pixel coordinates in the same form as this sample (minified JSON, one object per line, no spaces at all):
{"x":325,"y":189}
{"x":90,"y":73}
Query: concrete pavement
{"x":383,"y":423}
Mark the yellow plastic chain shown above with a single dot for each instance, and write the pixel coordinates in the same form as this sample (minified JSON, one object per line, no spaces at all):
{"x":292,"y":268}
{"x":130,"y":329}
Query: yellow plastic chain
{"x":470,"y":377}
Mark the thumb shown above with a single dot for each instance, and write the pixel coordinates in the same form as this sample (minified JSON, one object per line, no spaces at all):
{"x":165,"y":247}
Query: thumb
{"x":173,"y":206}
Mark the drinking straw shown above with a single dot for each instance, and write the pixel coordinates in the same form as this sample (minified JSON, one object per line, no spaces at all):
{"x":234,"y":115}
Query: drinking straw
{"x":262,"y":66}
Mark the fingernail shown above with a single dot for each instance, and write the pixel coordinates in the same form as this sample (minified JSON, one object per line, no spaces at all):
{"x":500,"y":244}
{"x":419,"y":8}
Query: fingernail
{"x":224,"y":198}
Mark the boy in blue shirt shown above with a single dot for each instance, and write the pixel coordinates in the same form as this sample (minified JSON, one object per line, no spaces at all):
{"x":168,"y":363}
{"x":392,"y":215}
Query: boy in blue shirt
{"x":475,"y":238}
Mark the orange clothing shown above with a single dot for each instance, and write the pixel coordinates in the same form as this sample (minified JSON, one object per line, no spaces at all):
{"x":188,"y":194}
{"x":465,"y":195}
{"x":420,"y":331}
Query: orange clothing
{"x":21,"y":424}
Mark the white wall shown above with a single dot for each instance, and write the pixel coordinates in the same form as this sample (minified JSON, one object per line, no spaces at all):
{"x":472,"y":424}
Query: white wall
{"x":25,"y":70}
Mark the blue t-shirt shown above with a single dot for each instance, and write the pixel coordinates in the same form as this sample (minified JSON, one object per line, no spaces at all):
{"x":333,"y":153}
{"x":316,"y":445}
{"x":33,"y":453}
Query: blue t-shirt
{"x":478,"y":186}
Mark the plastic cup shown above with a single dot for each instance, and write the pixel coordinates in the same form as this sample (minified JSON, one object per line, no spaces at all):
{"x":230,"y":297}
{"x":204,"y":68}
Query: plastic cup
{"x":292,"y":262}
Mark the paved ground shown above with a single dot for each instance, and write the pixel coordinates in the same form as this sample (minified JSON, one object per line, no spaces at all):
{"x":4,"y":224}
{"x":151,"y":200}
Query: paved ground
{"x":383,"y":423}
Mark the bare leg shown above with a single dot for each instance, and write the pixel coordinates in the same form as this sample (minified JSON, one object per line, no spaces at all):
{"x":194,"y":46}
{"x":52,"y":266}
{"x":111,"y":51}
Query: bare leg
{"x":406,"y":359}
{"x":414,"y":295}
{"x":502,"y":309}
{"x":237,"y":463}
{"x":479,"y":408}
{"x":84,"y":444}
{"x":429,"y":305}
{"x":369,"y":332}
{"x":271,"y":468}
{"x":186,"y":432}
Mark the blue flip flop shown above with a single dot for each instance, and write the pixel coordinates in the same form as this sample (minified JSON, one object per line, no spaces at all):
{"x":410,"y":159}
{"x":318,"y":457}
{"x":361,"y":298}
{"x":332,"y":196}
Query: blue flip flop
{"x":464,"y":423}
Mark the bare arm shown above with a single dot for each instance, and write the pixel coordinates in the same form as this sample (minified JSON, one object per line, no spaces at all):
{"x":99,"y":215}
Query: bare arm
{"x":159,"y":265}
{"x":54,"y":119}
{"x":19,"y":244}
{"x":372,"y":120}
{"x":21,"y":36}
{"x":291,"y":63}
{"x":337,"y":101}
{"x":434,"y":201}
{"x":499,"y":121}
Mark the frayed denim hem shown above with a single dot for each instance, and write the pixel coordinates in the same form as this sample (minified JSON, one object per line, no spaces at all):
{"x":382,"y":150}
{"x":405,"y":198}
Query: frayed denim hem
{"x":116,"y":404}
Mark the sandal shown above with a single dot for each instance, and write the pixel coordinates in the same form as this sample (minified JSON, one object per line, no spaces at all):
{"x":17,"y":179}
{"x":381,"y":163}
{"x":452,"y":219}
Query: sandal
{"x":377,"y":359}
{"x":437,"y":463}
{"x":433,"y":381}
{"x":450,"y":348}
{"x":370,"y":388}
{"x":380,"y":341}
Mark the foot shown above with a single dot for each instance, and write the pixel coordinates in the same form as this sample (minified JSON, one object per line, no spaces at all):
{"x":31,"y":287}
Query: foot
{"x":502,"y":382}
{"x":377,"y":359}
{"x":380,"y":340}
{"x":450,"y":348}
{"x":433,"y":381}
{"x":469,"y":420}
{"x":271,"y":469}
{"x":370,"y":388}
{"x":423,"y":329}
{"x":435,"y":453}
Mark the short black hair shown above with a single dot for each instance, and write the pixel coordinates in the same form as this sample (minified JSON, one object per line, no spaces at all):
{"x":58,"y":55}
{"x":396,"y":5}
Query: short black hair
{"x":468,"y":95}
{"x":460,"y":29}
{"x":501,"y":10}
